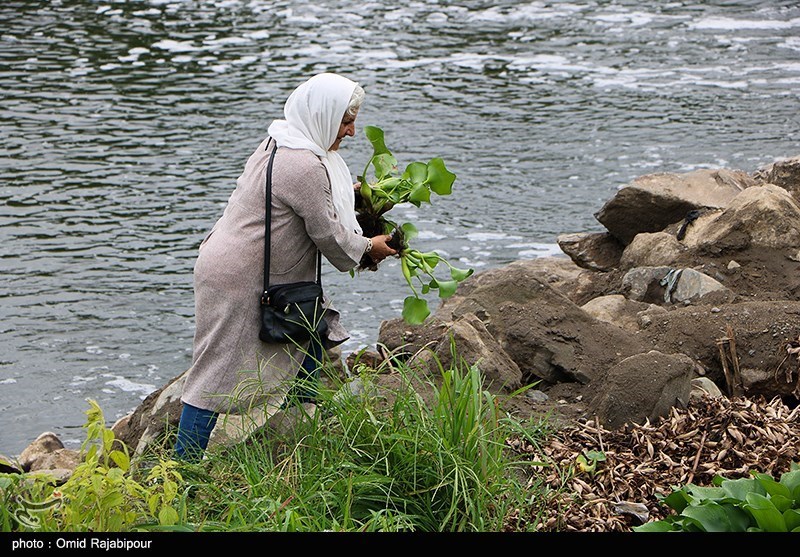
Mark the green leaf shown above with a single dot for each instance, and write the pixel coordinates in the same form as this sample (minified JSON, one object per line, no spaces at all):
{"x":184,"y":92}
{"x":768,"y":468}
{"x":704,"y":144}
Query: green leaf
{"x":699,"y":493}
{"x":677,"y":500}
{"x":792,"y":519}
{"x":385,"y":166}
{"x":710,"y":515}
{"x":375,"y":136}
{"x":366,"y":191}
{"x":781,"y":502}
{"x":431,"y":259}
{"x":409,"y":231}
{"x":656,"y":526}
{"x":167,"y":516}
{"x":439,"y":178}
{"x":120,"y":459}
{"x":739,"y":518}
{"x":415,"y":310}
{"x":596,"y":455}
{"x":426,"y":288}
{"x":460,"y":274}
{"x":768,"y":517}
{"x":420,"y":194}
{"x":792,"y":481}
{"x":739,"y":489}
{"x":111,"y":499}
{"x":447,"y":288}
{"x":416,"y":173}
{"x":772,"y":487}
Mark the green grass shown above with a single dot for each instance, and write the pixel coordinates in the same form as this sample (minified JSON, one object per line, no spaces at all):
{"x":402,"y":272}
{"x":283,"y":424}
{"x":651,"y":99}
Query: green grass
{"x":380,"y":460}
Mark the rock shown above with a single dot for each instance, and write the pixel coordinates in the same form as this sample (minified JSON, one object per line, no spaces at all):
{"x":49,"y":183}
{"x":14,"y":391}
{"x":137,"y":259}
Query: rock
{"x":643,"y":284}
{"x":9,"y":466}
{"x":765,"y":216}
{"x":617,"y":310}
{"x":761,"y":332}
{"x":47,"y":455}
{"x":159,"y":412}
{"x":650,"y":203}
{"x":643,"y":387}
{"x":784,"y":173}
{"x":649,"y":249}
{"x":693,"y":285}
{"x":46,"y":443}
{"x":476,"y":346}
{"x":595,"y":251}
{"x":704,"y":387}
{"x":666,"y":285}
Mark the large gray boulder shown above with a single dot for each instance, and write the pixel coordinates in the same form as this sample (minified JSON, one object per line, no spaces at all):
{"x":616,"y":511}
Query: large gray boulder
{"x":652,"y":202}
{"x":476,"y":347}
{"x":643,"y":387}
{"x":766,"y":216}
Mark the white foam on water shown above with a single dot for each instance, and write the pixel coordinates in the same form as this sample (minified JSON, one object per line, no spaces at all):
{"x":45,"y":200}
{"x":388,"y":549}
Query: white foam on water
{"x":133,"y":54}
{"x":128,"y":386}
{"x":8,"y":381}
{"x":490,"y":236}
{"x":530,"y":12}
{"x":792,"y":43}
{"x":150,"y":11}
{"x":244,"y":60}
{"x":225,"y":41}
{"x":732,"y":24}
{"x":175,"y":46}
{"x":94,"y":350}
{"x":635,"y":19}
{"x":428,"y":235}
{"x":256,"y":35}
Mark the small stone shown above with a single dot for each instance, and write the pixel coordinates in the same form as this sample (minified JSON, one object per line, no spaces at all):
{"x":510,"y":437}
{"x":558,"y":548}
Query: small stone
{"x":637,"y":510}
{"x":715,"y":310}
{"x":733,"y":265}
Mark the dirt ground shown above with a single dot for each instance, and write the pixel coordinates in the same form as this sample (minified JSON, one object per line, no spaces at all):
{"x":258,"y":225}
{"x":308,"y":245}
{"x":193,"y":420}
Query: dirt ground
{"x":731,"y":437}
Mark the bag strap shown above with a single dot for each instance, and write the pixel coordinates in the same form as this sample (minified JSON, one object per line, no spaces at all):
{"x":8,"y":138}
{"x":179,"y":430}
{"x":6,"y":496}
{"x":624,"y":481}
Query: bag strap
{"x":269,"y":219}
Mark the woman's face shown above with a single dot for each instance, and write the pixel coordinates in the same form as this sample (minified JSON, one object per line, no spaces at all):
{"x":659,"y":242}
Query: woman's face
{"x":347,"y":127}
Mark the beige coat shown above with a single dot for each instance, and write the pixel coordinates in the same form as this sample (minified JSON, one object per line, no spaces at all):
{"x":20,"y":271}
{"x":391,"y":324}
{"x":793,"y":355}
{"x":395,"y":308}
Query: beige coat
{"x":232,"y":370}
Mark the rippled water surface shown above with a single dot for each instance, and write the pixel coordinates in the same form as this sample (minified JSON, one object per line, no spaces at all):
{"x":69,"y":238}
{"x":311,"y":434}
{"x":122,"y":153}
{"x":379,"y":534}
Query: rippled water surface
{"x":124,"y":125}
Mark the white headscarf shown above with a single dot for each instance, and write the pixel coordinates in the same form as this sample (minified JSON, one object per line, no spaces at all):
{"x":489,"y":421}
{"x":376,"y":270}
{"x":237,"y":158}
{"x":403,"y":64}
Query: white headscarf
{"x":313,"y":113}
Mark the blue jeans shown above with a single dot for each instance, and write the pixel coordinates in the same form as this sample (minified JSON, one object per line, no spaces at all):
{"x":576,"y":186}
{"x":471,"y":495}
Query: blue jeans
{"x":194,"y":431}
{"x":196,"y":424}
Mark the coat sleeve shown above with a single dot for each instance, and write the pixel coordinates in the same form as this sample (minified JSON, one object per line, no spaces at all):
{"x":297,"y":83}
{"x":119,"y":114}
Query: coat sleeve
{"x":309,"y":196}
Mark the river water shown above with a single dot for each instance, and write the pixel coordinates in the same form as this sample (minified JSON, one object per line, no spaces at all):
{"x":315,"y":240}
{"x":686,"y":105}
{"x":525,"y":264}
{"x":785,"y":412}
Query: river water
{"x":124,"y":125}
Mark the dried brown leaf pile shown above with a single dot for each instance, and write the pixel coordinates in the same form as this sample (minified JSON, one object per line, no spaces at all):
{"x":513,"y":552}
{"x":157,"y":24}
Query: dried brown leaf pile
{"x":712,"y":436}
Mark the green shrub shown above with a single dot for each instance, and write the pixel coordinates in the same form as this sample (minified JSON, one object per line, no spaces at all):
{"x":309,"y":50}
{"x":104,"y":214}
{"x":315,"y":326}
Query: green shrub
{"x":757,"y":504}
{"x":101,"y":495}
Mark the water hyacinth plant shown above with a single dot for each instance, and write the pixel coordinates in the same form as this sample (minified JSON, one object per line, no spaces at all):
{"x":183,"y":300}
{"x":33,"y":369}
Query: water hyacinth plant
{"x":386,"y":188}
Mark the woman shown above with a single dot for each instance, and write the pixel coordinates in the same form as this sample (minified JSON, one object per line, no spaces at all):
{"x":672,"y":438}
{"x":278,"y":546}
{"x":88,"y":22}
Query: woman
{"x":312,"y":209}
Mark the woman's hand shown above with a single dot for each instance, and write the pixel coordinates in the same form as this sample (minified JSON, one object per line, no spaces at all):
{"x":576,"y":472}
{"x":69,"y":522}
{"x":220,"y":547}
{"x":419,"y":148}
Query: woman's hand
{"x":380,"y":248}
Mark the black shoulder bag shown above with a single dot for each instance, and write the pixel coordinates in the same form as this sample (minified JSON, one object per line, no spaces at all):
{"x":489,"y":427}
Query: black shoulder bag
{"x":292,"y":312}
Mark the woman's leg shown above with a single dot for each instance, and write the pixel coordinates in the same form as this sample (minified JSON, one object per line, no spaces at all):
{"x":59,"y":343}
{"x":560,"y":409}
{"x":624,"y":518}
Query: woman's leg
{"x":194,"y":431}
{"x":306,"y":384}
